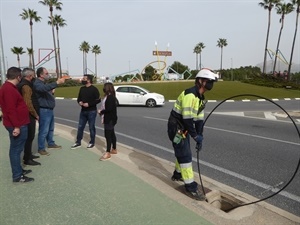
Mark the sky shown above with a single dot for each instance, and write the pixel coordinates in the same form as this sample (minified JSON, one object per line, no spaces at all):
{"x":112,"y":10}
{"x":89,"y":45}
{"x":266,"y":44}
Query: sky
{"x":126,"y":31}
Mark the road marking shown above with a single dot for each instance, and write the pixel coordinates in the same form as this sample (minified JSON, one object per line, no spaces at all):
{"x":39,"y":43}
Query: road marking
{"x":239,"y":176}
{"x":266,"y":116}
{"x":231,"y":113}
{"x":270,"y":116}
{"x":223,"y":170}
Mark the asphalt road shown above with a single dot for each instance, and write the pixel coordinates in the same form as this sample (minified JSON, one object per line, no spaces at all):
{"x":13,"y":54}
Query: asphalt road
{"x":245,"y":146}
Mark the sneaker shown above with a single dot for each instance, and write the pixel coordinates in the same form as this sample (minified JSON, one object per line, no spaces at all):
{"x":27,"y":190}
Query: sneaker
{"x":24,"y":172}
{"x":90,"y":145}
{"x":23,"y":179}
{"x":76,"y":145}
{"x":43,"y":152}
{"x":197,"y":195}
{"x":105,"y":156}
{"x":113,"y":151}
{"x":55,"y":146}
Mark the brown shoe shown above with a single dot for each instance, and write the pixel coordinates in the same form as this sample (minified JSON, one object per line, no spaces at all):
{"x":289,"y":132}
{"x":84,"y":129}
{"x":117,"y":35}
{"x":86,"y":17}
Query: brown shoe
{"x":43,"y":152}
{"x":113,"y":151}
{"x":54,"y":146}
{"x":105,"y":156}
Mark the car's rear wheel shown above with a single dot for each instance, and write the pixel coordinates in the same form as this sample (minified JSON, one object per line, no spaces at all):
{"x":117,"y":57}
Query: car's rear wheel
{"x":150,"y":103}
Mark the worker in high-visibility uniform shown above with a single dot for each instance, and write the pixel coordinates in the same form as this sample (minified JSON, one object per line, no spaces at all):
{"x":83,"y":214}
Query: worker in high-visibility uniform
{"x":186,"y":119}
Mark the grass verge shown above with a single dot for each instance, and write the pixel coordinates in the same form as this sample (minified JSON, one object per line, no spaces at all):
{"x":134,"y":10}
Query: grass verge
{"x":221,"y":90}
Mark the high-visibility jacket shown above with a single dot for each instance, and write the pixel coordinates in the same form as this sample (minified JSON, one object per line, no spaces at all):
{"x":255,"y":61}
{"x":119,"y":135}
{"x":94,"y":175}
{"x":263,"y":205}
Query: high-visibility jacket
{"x":188,"y":111}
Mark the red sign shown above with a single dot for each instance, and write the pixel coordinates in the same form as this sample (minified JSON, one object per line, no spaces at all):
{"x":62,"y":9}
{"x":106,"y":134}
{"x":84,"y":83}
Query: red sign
{"x":162,"y":53}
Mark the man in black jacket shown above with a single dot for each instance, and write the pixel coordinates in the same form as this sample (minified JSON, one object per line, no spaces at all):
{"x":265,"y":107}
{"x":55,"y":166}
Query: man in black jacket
{"x":88,"y":98}
{"x":29,"y":96}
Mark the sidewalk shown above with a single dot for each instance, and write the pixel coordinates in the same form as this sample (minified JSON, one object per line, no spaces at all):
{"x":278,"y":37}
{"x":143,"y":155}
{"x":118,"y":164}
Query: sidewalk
{"x":74,"y":187}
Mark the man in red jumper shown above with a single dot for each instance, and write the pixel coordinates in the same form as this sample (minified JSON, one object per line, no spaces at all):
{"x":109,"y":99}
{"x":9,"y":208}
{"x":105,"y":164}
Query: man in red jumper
{"x":15,"y":120}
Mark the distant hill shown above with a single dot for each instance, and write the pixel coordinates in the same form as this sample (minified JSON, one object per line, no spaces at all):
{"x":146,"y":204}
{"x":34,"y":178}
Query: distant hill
{"x":280,"y":66}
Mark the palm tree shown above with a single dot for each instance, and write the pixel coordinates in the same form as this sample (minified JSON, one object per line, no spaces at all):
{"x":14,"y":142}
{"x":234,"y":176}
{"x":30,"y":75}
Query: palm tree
{"x":58,"y":21}
{"x":32,"y":16}
{"x":18,"y":51}
{"x":96,"y":50}
{"x":267,"y":5}
{"x":197,"y":51}
{"x":57,"y":5}
{"x":283,"y":9}
{"x":297,"y":4}
{"x":201,"y":47}
{"x":30,"y":53}
{"x":222,"y":43}
{"x":85,"y":48}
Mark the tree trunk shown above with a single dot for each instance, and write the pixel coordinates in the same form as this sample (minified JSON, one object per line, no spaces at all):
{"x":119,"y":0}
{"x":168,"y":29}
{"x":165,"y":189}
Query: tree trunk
{"x":277,"y":47}
{"x":30,"y":61}
{"x":32,"y":55}
{"x":221,"y":58}
{"x":196,"y":61}
{"x":58,"y":53}
{"x":293,"y":46}
{"x":86,"y":71}
{"x":200,"y":67}
{"x":83,"y":62}
{"x":18,"y":58}
{"x":266,"y":46}
{"x":96,"y":65}
{"x":54,"y":43}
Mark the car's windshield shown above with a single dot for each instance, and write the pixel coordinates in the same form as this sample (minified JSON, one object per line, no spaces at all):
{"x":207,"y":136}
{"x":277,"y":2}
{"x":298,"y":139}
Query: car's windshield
{"x":145,"y":90}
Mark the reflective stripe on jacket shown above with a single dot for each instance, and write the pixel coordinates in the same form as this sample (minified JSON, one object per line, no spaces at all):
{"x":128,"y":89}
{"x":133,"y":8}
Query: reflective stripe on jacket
{"x":188,"y":109}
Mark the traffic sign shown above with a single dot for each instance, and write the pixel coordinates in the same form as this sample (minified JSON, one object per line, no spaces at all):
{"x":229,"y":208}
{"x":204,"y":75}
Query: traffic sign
{"x":162,"y":53}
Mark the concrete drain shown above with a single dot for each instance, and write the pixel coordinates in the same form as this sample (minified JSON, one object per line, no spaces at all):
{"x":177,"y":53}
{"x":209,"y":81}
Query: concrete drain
{"x":222,"y":201}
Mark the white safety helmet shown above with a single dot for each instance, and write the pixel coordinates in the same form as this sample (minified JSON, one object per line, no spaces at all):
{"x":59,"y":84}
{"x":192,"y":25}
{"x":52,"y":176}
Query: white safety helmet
{"x":207,"y":74}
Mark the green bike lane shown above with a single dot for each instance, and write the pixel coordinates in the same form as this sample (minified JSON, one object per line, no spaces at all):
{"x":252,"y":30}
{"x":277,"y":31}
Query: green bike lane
{"x":74,"y":187}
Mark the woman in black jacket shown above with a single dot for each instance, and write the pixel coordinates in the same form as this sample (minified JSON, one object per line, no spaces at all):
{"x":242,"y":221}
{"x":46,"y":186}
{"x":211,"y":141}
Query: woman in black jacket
{"x":108,"y":112}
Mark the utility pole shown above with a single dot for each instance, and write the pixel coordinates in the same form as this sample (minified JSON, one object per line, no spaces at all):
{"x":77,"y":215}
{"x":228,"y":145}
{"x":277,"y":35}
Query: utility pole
{"x":2,"y":62}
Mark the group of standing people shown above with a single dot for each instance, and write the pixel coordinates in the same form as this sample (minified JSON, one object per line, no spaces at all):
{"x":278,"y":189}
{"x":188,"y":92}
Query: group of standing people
{"x":26,"y":99}
{"x":88,"y":98}
{"x":23,"y":98}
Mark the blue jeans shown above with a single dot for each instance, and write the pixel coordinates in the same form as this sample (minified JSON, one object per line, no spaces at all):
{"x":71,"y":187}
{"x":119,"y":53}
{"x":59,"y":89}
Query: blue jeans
{"x":46,"y":128}
{"x":84,"y":117}
{"x":15,"y":149}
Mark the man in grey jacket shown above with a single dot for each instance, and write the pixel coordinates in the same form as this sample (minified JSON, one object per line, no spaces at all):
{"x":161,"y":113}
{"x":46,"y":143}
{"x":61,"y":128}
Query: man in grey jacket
{"x":44,"y":92}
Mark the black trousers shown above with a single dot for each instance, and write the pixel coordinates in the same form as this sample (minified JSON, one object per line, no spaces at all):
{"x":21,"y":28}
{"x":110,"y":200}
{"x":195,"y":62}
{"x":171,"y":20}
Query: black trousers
{"x":28,"y":144}
{"x":110,"y":136}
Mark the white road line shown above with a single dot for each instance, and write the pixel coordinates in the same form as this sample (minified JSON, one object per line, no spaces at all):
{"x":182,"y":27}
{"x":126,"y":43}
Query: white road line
{"x":270,"y":116}
{"x":239,"y":176}
{"x":231,"y":113}
{"x":236,"y":132}
{"x":223,"y":170}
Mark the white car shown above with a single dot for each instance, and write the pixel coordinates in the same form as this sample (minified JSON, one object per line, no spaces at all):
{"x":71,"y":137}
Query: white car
{"x":135,"y":95}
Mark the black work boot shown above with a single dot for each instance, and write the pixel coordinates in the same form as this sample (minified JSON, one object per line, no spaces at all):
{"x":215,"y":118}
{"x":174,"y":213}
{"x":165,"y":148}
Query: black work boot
{"x":176,"y":176}
{"x":197,"y":195}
